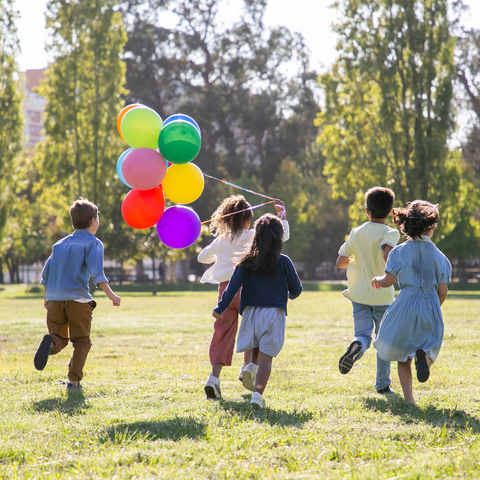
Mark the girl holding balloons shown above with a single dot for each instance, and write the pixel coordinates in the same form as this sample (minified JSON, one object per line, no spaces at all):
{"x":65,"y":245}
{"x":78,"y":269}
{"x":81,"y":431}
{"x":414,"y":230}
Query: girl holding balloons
{"x":230,"y":225}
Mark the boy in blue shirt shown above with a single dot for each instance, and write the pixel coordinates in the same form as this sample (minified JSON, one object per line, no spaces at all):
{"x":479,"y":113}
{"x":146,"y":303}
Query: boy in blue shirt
{"x":68,"y":300}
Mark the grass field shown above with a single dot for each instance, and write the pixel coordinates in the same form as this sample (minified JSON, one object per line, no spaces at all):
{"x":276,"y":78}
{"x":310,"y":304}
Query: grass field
{"x":143,"y":413}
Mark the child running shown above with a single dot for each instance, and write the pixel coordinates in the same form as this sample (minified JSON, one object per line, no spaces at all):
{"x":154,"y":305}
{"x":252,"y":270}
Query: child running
{"x":413,"y":325}
{"x":364,"y":255}
{"x":267,"y":279}
{"x":230,"y":224}
{"x":74,"y":260}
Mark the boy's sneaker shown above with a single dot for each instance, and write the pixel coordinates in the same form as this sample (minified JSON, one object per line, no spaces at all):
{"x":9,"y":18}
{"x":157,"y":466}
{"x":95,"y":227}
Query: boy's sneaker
{"x":249,"y":376}
{"x":423,"y":372}
{"x":74,"y":388}
{"x":43,"y":351}
{"x":386,"y":391}
{"x":240,"y":374}
{"x":212,"y":388}
{"x":256,"y":402}
{"x":352,"y":354}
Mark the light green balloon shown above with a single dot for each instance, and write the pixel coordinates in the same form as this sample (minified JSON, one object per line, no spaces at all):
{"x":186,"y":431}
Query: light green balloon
{"x":141,"y":127}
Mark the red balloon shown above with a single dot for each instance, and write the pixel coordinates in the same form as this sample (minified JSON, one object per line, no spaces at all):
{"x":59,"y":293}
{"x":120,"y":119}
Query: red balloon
{"x":144,"y":168}
{"x":143,"y":208}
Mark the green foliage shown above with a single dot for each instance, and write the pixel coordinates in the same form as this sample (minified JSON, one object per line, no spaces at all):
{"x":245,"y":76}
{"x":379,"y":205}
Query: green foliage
{"x":83,"y":89}
{"x":10,"y":108}
{"x":388,"y":112}
{"x":248,"y":87}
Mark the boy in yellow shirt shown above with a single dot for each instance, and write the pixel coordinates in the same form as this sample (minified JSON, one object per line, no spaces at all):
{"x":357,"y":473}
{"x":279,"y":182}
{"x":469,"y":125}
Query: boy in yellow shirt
{"x":364,"y":255}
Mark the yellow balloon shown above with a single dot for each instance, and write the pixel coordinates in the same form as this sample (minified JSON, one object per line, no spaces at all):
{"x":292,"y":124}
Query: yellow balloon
{"x":183,"y":183}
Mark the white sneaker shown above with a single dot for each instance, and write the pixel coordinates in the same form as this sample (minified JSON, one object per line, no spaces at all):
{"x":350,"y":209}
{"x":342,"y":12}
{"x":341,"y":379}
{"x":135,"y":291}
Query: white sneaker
{"x":212,"y":388}
{"x":249,"y":376}
{"x":242,"y":368}
{"x":256,"y":402}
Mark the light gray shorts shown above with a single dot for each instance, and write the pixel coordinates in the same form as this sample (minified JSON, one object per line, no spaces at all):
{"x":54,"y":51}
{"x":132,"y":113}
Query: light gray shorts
{"x":263,"y":328}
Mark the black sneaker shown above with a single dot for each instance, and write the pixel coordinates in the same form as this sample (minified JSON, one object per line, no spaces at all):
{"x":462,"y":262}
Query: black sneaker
{"x":346,"y":362}
{"x":423,"y":372}
{"x":386,"y":391}
{"x":43,"y":351}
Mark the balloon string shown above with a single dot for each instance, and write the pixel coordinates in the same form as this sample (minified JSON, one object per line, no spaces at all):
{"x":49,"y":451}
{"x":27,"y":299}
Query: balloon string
{"x":239,"y":188}
{"x":238,"y":211}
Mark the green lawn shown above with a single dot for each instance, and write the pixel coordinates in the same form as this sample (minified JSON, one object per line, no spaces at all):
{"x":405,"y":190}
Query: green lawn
{"x":143,"y":413}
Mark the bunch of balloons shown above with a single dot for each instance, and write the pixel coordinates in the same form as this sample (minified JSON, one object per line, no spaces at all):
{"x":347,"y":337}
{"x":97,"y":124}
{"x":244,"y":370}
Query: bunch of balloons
{"x":158,"y":165}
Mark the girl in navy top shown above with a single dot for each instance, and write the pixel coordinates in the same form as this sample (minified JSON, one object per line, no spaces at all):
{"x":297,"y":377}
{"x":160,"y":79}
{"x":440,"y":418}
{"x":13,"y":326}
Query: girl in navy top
{"x":267,"y":279}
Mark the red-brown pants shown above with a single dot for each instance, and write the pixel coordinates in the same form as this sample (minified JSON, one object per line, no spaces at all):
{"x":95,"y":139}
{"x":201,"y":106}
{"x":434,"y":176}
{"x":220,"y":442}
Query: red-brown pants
{"x":224,"y":331}
{"x":71,"y":320}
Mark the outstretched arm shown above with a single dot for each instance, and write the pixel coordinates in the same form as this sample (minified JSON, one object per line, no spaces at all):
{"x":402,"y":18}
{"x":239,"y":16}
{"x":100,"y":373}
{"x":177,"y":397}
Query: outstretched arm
{"x":114,"y":298}
{"x":383,"y":281}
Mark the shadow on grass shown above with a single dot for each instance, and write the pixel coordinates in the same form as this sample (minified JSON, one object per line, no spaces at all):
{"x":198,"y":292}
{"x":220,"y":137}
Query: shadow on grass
{"x":451,"y":418}
{"x":295,"y":418}
{"x":73,"y":404}
{"x":175,"y":429}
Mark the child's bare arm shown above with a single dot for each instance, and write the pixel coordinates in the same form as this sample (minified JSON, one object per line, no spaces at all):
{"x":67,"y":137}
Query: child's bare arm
{"x":386,"y":251}
{"x":114,"y":298}
{"x":342,"y":261}
{"x":442,"y":292}
{"x":45,"y":296}
{"x":383,"y":281}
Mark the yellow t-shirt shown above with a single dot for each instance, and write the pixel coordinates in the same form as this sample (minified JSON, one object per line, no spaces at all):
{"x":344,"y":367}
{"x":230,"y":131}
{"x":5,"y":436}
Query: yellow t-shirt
{"x":364,"y":246}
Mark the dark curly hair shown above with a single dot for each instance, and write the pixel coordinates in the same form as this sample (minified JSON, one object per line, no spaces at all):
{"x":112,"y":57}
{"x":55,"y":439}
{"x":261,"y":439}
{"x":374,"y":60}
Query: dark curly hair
{"x":416,"y":218}
{"x":263,"y":254}
{"x":232,"y":224}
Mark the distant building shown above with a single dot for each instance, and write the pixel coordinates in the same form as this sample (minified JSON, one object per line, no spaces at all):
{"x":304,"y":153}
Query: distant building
{"x":33,"y":107}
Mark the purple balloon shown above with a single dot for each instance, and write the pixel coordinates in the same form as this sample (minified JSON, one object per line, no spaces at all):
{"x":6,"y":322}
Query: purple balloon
{"x":179,"y":227}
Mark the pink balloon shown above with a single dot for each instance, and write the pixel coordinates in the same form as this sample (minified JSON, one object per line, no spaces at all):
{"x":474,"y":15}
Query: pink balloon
{"x":144,"y":168}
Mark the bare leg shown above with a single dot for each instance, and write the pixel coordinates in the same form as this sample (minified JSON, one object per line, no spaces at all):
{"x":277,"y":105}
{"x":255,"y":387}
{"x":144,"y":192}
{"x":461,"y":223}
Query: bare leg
{"x":247,"y":357}
{"x":405,"y":376}
{"x":263,"y":372}
{"x":216,"y":369}
{"x":254,"y":358}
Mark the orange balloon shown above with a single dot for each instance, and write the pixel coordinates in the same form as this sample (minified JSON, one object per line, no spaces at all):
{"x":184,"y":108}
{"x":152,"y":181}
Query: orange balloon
{"x":122,"y":113}
{"x":143,"y":208}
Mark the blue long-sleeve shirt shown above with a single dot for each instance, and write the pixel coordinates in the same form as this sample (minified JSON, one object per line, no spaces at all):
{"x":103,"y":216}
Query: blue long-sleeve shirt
{"x":73,"y":261}
{"x":260,"y":290}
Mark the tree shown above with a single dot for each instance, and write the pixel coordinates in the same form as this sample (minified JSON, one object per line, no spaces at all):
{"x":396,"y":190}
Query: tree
{"x":388,"y":113}
{"x":83,"y":89}
{"x":467,"y":62}
{"x":32,"y":223}
{"x":10,"y":111}
{"x":233,"y":81}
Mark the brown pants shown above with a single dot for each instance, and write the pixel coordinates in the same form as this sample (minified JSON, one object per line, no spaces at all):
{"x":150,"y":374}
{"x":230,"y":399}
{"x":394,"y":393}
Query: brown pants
{"x":71,"y":320}
{"x":224,"y":331}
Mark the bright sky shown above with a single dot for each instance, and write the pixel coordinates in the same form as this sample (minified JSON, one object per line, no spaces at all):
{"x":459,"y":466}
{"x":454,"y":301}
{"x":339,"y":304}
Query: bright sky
{"x":311,"y":18}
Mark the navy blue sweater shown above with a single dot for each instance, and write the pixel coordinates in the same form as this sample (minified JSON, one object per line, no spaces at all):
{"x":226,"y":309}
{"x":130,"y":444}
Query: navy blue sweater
{"x":261,"y":290}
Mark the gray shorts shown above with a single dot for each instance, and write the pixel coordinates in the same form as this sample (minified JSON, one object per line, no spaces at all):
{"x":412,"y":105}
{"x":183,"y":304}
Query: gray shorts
{"x":263,"y":328}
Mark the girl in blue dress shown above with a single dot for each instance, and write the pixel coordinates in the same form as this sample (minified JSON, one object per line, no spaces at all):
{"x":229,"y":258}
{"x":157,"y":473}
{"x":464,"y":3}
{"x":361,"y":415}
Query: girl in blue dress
{"x":412,"y":326}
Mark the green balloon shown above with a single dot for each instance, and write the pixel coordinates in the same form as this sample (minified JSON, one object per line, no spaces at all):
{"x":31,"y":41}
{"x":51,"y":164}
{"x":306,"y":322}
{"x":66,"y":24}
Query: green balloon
{"x":179,"y":142}
{"x":141,"y":127}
